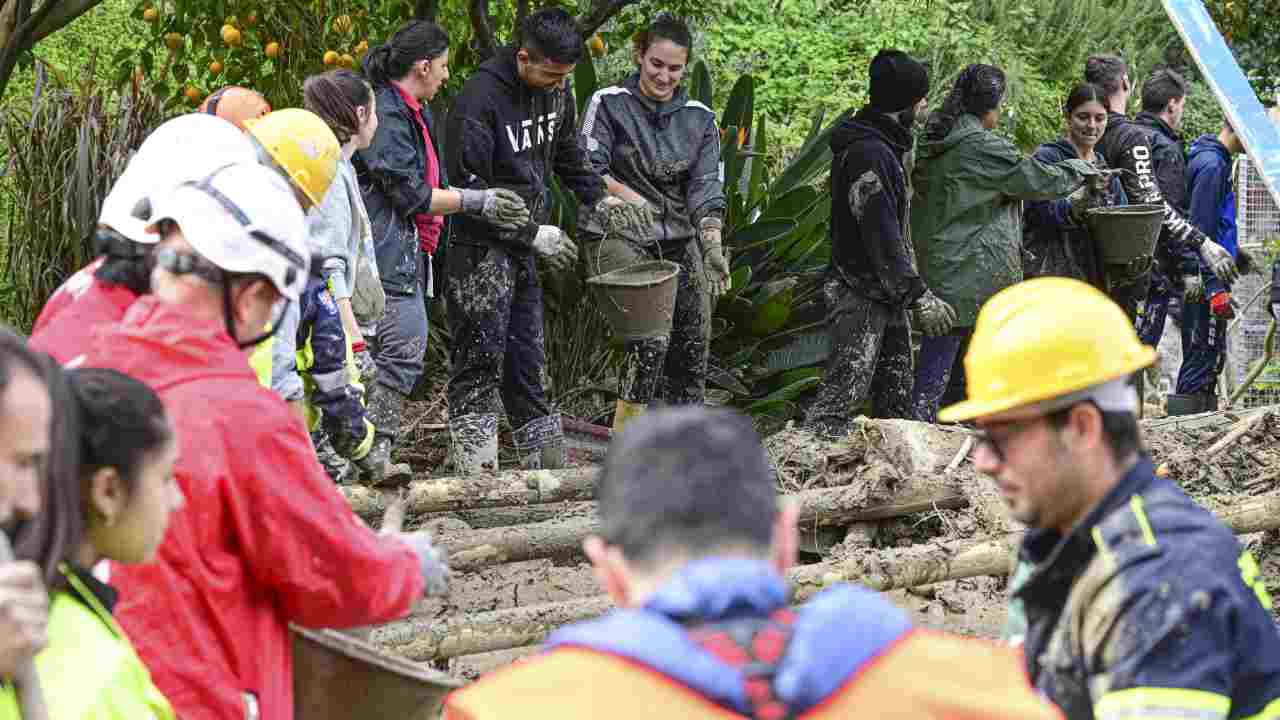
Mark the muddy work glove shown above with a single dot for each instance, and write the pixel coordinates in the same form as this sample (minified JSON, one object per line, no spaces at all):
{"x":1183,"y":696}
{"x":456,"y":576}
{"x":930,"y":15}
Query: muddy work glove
{"x":1192,"y":289}
{"x":500,"y":206}
{"x":934,"y":316}
{"x":715,"y":261}
{"x":1219,"y":261}
{"x":367,"y":368}
{"x":1246,"y":263}
{"x":434,"y":563}
{"x":555,"y":246}
{"x":630,"y":221}
{"x":1084,"y":199}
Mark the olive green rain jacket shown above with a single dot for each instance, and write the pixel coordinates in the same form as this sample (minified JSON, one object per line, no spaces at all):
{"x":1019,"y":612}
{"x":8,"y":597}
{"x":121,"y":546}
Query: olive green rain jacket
{"x":966,"y":213}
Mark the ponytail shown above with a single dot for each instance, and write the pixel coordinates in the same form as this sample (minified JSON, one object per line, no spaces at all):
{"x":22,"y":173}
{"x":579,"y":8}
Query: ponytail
{"x":335,"y":96}
{"x":414,"y":41}
{"x":977,"y":90}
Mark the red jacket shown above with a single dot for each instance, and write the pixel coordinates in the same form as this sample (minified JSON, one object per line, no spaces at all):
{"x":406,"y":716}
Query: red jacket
{"x":83,"y":302}
{"x":263,"y":540}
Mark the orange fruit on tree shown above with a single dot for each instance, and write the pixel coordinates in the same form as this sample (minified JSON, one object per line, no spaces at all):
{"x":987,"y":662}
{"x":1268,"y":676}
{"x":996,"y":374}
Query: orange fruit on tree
{"x":347,"y":62}
{"x":331,"y":57}
{"x":151,"y":14}
{"x":596,"y":45}
{"x":342,"y":24}
{"x":174,"y":40}
{"x":272,"y":50}
{"x":231,"y":36}
{"x":215,"y":67}
{"x":193,"y":94}
{"x":251,"y":19}
{"x":362,"y":48}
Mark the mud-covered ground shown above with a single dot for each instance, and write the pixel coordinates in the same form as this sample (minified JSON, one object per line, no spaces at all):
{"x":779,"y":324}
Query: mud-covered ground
{"x":879,"y":458}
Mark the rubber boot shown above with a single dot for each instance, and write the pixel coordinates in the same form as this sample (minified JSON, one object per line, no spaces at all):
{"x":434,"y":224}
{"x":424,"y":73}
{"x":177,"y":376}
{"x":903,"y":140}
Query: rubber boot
{"x":540,"y":444}
{"x":386,"y":409}
{"x":624,"y":412}
{"x":473,"y":443}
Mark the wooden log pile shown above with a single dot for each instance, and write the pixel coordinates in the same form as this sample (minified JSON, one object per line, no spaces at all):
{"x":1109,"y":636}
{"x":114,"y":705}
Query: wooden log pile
{"x":887,"y":477}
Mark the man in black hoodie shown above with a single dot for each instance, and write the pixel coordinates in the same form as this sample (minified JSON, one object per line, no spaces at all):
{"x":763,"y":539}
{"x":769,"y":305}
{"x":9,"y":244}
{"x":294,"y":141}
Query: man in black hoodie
{"x":512,"y":126}
{"x":1145,"y":152}
{"x":872,"y":280}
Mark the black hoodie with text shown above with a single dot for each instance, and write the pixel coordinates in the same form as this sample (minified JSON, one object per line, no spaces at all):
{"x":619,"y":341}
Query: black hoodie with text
{"x":869,"y":247}
{"x":506,"y":134}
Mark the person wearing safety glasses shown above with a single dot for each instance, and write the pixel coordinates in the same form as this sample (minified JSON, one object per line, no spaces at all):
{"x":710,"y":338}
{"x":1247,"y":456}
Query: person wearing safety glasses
{"x":1130,"y":600}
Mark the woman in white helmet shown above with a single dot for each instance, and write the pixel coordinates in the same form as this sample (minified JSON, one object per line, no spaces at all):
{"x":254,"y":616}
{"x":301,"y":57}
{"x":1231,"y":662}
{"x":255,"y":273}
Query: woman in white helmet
{"x":264,"y":540}
{"x":185,"y":148}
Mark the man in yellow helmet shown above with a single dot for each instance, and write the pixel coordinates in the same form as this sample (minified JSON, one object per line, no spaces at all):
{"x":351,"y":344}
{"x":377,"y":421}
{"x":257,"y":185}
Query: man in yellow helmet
{"x":1137,"y":602}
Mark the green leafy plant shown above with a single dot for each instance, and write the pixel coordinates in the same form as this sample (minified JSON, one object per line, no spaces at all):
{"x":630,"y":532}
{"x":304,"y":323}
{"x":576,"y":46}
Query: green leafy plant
{"x":65,"y":151}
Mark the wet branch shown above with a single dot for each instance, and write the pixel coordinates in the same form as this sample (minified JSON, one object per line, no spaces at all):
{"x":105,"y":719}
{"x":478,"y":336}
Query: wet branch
{"x":482,"y":24}
{"x":20,"y":40}
{"x":601,"y":11}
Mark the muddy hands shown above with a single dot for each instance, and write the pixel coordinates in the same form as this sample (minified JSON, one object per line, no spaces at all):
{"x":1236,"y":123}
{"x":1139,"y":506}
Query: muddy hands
{"x":499,"y":206}
{"x":632,"y":221}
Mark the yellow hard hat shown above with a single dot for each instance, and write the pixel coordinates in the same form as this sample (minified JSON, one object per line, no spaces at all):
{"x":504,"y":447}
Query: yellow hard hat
{"x":302,"y":145}
{"x":1043,"y":339}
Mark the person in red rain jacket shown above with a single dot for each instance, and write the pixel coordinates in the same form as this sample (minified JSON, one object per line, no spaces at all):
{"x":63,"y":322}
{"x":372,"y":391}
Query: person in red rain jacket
{"x":185,"y":148}
{"x":265,"y":538}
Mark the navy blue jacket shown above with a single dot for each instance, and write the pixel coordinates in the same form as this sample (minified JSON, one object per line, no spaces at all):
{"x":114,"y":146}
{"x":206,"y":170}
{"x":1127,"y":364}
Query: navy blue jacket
{"x":1161,"y":596}
{"x":1211,"y":200}
{"x":1052,"y":243}
{"x":392,"y":173}
{"x":322,"y":361}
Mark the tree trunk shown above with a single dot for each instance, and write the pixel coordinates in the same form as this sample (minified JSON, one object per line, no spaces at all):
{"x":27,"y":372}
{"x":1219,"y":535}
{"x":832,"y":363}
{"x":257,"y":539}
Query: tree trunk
{"x":482,"y":491}
{"x":562,"y":538}
{"x":420,"y":638}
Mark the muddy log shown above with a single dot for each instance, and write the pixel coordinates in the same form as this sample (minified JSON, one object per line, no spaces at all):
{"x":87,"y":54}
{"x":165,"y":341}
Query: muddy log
{"x":563,"y":538}
{"x":481,"y":491}
{"x":426,"y":639}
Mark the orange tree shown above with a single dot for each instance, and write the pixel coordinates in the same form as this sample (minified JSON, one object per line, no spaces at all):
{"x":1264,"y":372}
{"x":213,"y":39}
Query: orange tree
{"x":273,"y":45}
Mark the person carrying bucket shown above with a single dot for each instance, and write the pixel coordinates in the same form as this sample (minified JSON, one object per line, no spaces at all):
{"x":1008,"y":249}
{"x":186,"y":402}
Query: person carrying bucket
{"x":660,"y":151}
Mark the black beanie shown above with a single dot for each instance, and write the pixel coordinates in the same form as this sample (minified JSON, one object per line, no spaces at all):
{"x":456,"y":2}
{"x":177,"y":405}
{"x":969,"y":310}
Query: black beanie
{"x":898,"y":81}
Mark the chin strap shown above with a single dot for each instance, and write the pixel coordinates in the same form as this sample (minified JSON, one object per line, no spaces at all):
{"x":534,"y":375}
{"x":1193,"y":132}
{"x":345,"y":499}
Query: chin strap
{"x":230,"y":324}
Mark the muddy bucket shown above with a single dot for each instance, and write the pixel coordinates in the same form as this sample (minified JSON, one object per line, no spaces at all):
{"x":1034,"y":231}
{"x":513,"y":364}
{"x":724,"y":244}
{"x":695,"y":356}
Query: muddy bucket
{"x":338,"y":677}
{"x":1125,"y":233}
{"x":639,"y":300}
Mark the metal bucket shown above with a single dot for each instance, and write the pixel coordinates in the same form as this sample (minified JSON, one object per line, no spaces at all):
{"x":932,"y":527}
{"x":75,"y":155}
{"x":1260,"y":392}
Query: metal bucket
{"x":639,"y":300}
{"x":1125,"y":233}
{"x":338,"y":677}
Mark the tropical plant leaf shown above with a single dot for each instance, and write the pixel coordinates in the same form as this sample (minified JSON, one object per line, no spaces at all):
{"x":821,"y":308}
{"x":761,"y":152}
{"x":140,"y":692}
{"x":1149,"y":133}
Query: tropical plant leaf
{"x":784,"y":395}
{"x":759,"y":233}
{"x":700,"y":87}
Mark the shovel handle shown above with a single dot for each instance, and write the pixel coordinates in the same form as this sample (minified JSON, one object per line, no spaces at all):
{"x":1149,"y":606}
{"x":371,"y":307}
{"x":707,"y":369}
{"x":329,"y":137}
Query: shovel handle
{"x":25,"y":680}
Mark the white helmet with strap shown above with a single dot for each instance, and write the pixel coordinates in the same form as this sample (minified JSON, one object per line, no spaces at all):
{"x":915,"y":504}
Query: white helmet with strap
{"x":243,"y":218}
{"x":188,"y":147}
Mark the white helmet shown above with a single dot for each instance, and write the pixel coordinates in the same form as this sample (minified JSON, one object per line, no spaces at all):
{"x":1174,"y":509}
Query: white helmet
{"x":188,"y":147}
{"x":243,"y":218}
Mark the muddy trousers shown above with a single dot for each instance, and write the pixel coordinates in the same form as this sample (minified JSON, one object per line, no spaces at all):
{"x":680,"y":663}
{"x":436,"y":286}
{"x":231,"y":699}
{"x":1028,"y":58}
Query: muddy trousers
{"x":401,"y":339}
{"x":1204,"y":352}
{"x":1151,"y":317}
{"x":495,"y":319}
{"x":870,"y":357}
{"x":670,"y":368}
{"x":940,"y":373}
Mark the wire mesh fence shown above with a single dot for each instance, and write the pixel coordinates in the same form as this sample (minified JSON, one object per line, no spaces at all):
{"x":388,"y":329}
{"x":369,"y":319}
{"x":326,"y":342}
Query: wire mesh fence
{"x":1258,"y":224}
